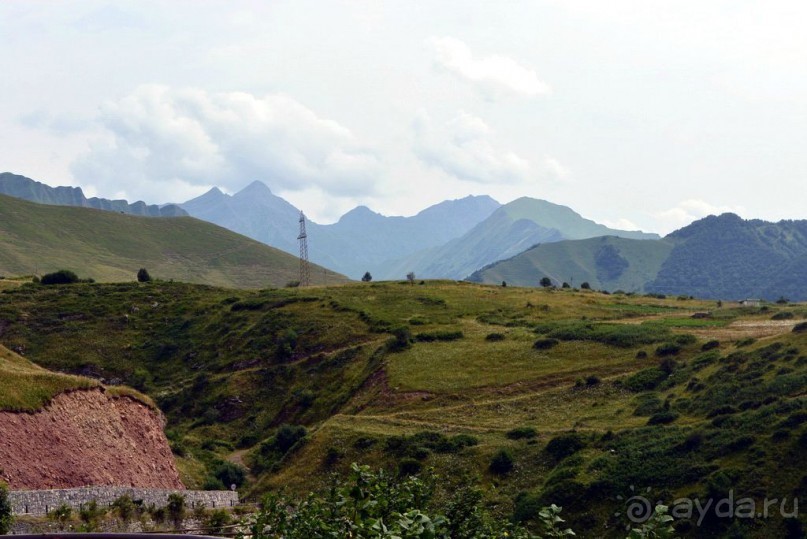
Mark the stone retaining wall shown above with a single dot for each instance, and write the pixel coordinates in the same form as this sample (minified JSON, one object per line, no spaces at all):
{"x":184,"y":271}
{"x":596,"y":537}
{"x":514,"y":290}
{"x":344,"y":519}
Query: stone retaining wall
{"x":40,"y":502}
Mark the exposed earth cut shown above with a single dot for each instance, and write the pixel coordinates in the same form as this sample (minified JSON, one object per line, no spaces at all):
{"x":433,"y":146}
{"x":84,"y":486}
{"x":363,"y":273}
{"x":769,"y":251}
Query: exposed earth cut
{"x":86,"y":438}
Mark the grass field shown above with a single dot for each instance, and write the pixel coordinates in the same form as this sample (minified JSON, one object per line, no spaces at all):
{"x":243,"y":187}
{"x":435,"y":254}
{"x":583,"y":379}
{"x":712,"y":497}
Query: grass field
{"x":633,"y":389}
{"x":105,"y":246}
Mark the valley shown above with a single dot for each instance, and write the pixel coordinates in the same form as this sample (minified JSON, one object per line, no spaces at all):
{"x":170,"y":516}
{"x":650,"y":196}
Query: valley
{"x":298,"y":383}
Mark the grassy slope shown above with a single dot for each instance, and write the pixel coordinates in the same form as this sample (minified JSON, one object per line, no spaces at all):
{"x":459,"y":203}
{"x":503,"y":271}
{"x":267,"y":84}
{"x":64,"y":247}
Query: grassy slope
{"x":211,"y":359}
{"x":575,"y":262}
{"x":26,"y":387}
{"x":111,"y":247}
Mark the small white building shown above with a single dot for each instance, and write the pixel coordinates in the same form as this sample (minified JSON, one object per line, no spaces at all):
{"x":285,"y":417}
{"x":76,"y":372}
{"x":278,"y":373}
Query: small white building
{"x":751,"y":302}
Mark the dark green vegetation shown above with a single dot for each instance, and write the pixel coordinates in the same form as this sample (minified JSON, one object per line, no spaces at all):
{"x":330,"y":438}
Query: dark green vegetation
{"x":297,"y":383}
{"x":18,"y":186}
{"x":716,"y":257}
{"x":108,"y":246}
{"x":5,"y":510}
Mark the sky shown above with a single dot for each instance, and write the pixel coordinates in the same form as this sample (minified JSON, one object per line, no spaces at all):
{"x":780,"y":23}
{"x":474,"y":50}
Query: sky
{"x":640,"y":114}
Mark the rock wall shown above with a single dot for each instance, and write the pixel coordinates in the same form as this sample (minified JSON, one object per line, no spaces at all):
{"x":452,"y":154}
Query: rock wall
{"x":40,"y":502}
{"x":87,"y":438}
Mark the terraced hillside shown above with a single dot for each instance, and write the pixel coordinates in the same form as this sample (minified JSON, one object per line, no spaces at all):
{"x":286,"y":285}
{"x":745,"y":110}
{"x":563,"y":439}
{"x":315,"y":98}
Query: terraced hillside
{"x":539,"y":396}
{"x":108,"y":246}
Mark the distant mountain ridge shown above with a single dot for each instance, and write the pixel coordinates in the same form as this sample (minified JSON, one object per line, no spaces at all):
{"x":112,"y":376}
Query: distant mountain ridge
{"x":451,"y":239}
{"x":718,"y":257}
{"x":360,"y":241}
{"x":511,"y":229}
{"x":27,"y":189}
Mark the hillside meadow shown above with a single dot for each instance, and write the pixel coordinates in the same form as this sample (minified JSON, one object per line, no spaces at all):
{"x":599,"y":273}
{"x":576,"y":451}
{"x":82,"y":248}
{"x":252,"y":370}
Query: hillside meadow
{"x":108,"y":246}
{"x":537,"y":396}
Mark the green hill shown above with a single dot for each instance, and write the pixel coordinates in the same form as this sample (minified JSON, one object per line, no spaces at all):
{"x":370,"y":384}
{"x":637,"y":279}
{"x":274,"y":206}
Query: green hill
{"x":107,"y":246}
{"x":716,"y":257}
{"x":509,"y":230}
{"x":607,"y":262}
{"x":590,"y":394}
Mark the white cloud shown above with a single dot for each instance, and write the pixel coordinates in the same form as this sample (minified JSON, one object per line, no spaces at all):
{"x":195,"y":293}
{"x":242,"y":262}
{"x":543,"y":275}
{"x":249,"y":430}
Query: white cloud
{"x":493,"y":74}
{"x":621,"y":224}
{"x":163,"y":139}
{"x":465,"y":147}
{"x":690,"y":210}
{"x":462,"y":147}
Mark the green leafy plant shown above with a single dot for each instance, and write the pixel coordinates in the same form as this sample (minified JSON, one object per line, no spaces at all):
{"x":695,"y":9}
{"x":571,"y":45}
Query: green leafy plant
{"x":6,"y":515}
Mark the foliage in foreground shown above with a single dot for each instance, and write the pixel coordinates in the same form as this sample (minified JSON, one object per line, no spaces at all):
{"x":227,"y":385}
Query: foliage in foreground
{"x":6,"y":518}
{"x":374,"y":505}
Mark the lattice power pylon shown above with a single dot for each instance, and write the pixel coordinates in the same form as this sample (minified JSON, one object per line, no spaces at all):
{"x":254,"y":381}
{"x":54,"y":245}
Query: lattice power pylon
{"x":305,"y":270}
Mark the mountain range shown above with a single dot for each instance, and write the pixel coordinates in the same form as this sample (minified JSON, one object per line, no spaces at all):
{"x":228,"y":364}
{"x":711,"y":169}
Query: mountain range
{"x":511,"y":229}
{"x":360,"y":241}
{"x":718,"y":257}
{"x":18,"y":186}
{"x":476,"y":237}
{"x":451,"y":239}
{"x":448,"y":240}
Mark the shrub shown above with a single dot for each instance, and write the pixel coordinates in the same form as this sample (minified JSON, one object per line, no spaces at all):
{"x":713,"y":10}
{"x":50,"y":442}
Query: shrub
{"x":366,"y":277}
{"x":620,"y":335}
{"x":662,"y":418}
{"x":464,"y":440}
{"x":61,"y":515}
{"x":402,"y":339}
{"x":726,"y":409}
{"x":332,"y":456}
{"x":545,"y":344}
{"x":592,"y":380}
{"x":685,"y":339}
{"x":59,"y":277}
{"x":143,"y":276}
{"x":124,"y":507}
{"x":494,"y":337}
{"x":546,"y":282}
{"x":565,"y":445}
{"x":176,"y":508}
{"x":6,"y":517}
{"x":800,"y":327}
{"x":90,"y":516}
{"x":287,"y":437}
{"x":783,"y":315}
{"x":439,"y":336}
{"x":646,"y":379}
{"x":408,"y":466}
{"x":213,"y":483}
{"x":501,"y":463}
{"x":668,"y":349}
{"x":230,"y":473}
{"x":709,"y":345}
{"x":649,"y":404}
{"x":585,"y":286}
{"x":364,"y":442}
{"x":217,"y":521}
{"x":521,"y":433}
